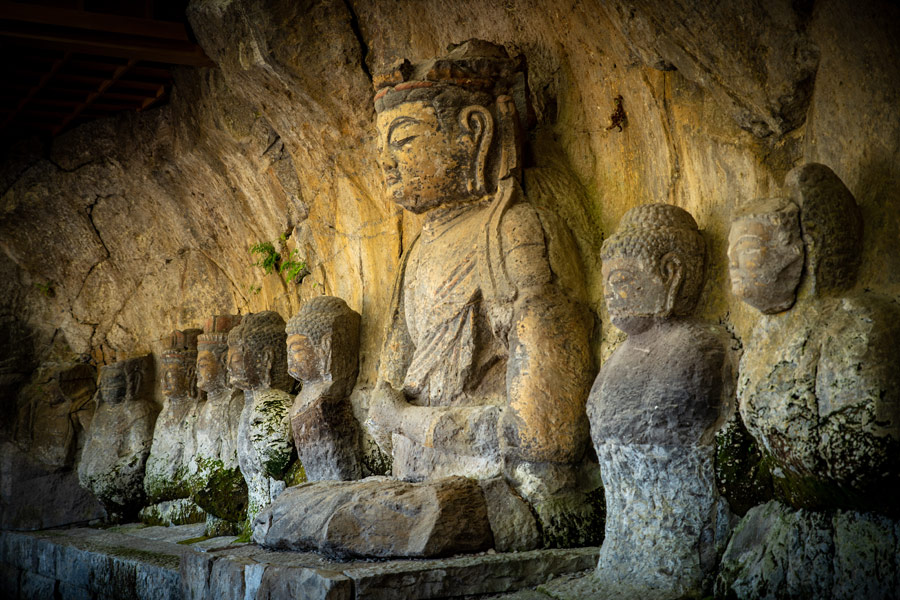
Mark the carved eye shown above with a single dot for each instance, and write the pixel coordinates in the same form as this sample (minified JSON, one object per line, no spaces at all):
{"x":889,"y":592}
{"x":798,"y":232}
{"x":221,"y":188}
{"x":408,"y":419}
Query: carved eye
{"x":403,"y":141}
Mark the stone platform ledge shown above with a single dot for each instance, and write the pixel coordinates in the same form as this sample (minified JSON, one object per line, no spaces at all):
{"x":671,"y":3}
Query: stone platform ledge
{"x":253,"y":572}
{"x":130,"y":561}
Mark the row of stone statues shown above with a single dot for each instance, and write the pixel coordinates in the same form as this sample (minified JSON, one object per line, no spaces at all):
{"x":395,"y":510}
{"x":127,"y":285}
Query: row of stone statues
{"x":483,"y":399}
{"x":225,"y":455}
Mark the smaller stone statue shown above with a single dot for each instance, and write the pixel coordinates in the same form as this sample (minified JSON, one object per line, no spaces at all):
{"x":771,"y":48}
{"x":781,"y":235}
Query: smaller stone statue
{"x":216,"y":482}
{"x":323,"y":347}
{"x":820,"y":375}
{"x":166,"y":478}
{"x":655,"y":408}
{"x":119,"y":439}
{"x":257,"y":364}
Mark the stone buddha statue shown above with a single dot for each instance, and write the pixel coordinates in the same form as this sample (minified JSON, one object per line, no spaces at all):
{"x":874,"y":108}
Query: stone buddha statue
{"x":216,"y":482}
{"x":323,"y":354}
{"x":119,"y":439}
{"x":486,"y":366}
{"x":257,"y":364}
{"x":655,"y":408}
{"x":819,"y":385}
{"x":166,"y":479}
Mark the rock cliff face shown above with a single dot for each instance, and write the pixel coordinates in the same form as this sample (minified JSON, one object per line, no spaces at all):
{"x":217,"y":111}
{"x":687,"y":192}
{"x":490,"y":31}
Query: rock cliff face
{"x":126,"y":228}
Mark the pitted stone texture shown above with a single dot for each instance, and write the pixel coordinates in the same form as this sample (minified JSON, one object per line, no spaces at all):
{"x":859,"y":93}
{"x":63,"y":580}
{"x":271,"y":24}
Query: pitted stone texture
{"x":248,"y":572}
{"x":666,"y":524}
{"x":378,"y":517}
{"x":115,"y":453}
{"x":180,"y":511}
{"x":326,"y":435}
{"x":512,"y":522}
{"x":166,"y":476}
{"x":264,"y":446}
{"x":820,"y":390}
{"x":216,"y":482}
{"x":781,"y":552}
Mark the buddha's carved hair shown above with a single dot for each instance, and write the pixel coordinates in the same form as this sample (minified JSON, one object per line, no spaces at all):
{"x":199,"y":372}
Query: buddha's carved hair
{"x":782,"y":213}
{"x":330,"y":316}
{"x":652,"y":231}
{"x":258,"y":332}
{"x":832,"y":226}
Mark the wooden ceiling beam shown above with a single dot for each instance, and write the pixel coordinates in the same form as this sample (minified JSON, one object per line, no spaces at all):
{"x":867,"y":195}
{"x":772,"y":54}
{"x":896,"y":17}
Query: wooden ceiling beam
{"x":57,"y":65}
{"x":91,"y":21}
{"x":90,"y":99}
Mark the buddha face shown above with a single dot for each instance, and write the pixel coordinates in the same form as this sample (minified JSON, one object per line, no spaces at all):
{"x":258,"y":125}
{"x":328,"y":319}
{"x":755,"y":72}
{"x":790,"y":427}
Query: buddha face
{"x":635,"y":291}
{"x":424,"y":165}
{"x":240,"y":373}
{"x":765,"y":261}
{"x":302,"y":358}
{"x":113,"y":385}
{"x":176,"y":379}
{"x":210,"y":370}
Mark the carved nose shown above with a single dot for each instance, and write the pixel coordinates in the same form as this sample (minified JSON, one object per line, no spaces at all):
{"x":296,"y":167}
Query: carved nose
{"x":388,"y":162}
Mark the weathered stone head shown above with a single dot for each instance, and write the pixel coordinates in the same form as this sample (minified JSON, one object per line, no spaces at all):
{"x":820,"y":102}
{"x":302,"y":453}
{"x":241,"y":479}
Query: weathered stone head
{"x":212,"y":352}
{"x":765,"y":254}
{"x":179,"y":365}
{"x":770,"y":238}
{"x":449,"y":128}
{"x":831,"y":224}
{"x":323,"y":341}
{"x":653,"y":266}
{"x":257,"y":357}
{"x":123,"y":381}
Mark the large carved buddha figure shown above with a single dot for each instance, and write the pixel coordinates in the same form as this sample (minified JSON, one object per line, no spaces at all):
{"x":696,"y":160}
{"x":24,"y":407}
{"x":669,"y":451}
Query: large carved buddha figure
{"x":655,"y":408}
{"x":487,"y":365}
{"x":820,"y":376}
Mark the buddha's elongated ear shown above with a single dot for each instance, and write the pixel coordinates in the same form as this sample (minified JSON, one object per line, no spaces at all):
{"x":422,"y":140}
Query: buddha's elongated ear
{"x":672,"y":269}
{"x":479,"y":123}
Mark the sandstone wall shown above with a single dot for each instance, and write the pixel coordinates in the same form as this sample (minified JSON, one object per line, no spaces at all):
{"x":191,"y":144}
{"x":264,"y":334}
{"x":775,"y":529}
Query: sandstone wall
{"x":127,"y":228}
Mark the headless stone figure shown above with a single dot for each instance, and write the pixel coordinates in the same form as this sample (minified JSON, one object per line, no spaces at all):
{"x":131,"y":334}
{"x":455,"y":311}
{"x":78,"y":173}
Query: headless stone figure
{"x":820,"y":376}
{"x":323,"y":350}
{"x":487,"y":364}
{"x":217,"y":484}
{"x":166,"y":479}
{"x":257,"y":364}
{"x":118,"y":441}
{"x":654,"y":411}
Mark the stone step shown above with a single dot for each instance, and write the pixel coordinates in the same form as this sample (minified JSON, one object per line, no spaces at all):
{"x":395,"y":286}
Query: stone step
{"x":149,"y":563}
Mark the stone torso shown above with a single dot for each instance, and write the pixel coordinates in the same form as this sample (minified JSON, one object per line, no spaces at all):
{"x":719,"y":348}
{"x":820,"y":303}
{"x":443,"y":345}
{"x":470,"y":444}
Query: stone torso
{"x":819,"y":391}
{"x":457,"y":361}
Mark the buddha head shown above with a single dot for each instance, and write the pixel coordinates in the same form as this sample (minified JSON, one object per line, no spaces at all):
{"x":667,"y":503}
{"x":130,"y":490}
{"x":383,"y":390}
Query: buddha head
{"x":257,"y":358}
{"x":323,"y":341}
{"x":179,"y":365}
{"x":123,"y":381}
{"x":449,"y":128}
{"x":652,"y":266}
{"x":212,"y":353}
{"x":765,"y":254}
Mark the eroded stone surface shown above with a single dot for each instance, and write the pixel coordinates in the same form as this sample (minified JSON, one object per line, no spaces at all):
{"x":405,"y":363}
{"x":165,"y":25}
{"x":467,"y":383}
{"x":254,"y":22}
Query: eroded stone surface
{"x":118,"y":442}
{"x":781,"y":552}
{"x":378,"y":517}
{"x":323,"y":350}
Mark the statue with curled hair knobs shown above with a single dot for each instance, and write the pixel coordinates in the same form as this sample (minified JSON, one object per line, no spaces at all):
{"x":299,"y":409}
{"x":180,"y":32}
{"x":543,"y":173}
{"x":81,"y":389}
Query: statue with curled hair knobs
{"x":257,"y":364}
{"x":166,"y":479}
{"x":487,"y":362}
{"x":654,"y":410}
{"x":323,"y":354}
{"x":119,"y":438}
